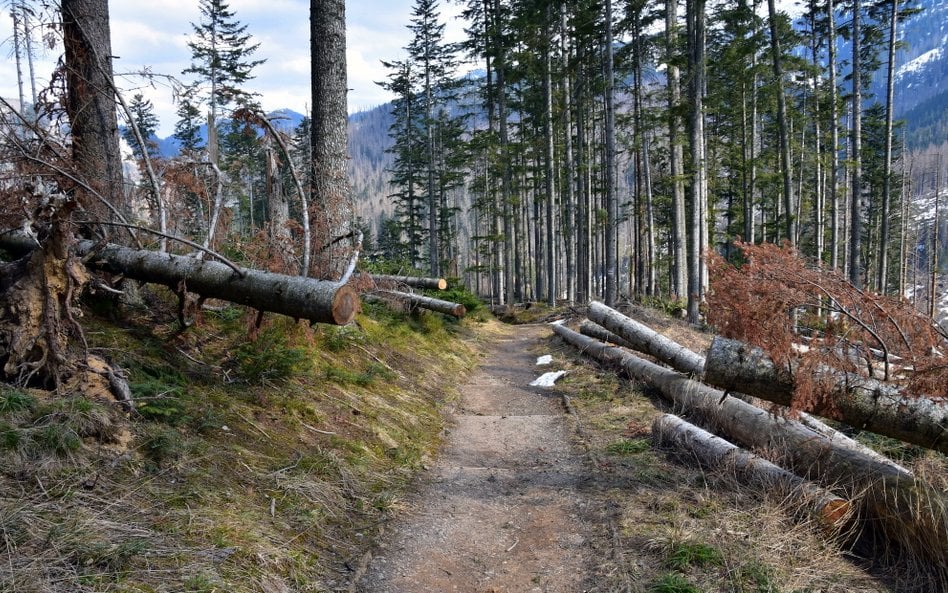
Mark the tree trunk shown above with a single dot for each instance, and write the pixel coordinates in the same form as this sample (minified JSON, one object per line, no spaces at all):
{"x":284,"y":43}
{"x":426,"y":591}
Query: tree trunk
{"x":855,"y":205}
{"x":784,"y":133}
{"x":834,"y":136}
{"x":278,"y":212}
{"x":675,"y":154}
{"x":596,"y":331}
{"x":882,"y":281}
{"x":295,"y":296}
{"x":697,"y":241}
{"x":90,"y":101}
{"x":416,"y":300}
{"x":646,"y":340}
{"x":332,"y":195}
{"x":552,"y":287}
{"x":683,"y":360}
{"x":859,"y":401}
{"x":413,"y":281}
{"x":612,"y":200}
{"x":711,"y":450}
{"x":904,"y":510}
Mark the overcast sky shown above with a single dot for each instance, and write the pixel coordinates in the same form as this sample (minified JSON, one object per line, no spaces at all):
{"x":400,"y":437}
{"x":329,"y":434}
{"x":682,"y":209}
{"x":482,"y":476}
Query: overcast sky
{"x":154,"y":35}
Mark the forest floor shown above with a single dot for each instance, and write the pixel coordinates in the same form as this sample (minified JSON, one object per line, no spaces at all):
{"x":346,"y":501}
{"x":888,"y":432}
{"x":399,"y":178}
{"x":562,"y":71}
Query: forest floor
{"x":405,"y":452}
{"x":561,"y":490}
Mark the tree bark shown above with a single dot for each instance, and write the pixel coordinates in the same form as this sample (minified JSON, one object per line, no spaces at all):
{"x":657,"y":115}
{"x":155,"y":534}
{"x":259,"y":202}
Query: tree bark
{"x":416,"y":300}
{"x":906,"y":511}
{"x":686,"y":361}
{"x":594,"y":330}
{"x":304,"y":298}
{"x":332,"y":195}
{"x":711,"y":450}
{"x":611,"y":293}
{"x":413,"y":281}
{"x":646,"y":340}
{"x":859,"y":401}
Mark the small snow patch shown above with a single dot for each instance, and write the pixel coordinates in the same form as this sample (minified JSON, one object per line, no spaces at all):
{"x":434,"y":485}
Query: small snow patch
{"x":545,"y":359}
{"x":547,"y":379}
{"x":558,"y":322}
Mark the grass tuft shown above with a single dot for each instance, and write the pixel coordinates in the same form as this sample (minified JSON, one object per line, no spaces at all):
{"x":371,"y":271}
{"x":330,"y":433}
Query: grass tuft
{"x":629,"y":447}
{"x":672,"y":583}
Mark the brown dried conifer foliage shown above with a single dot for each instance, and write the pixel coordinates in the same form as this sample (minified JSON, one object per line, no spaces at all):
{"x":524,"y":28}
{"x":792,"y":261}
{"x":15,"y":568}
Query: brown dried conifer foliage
{"x":775,"y":300}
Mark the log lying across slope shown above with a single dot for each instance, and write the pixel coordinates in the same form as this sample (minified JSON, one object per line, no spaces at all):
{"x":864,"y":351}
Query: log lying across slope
{"x":413,"y":281}
{"x":303,"y":298}
{"x":713,"y":451}
{"x":856,"y":400}
{"x":908,"y":512}
{"x":416,"y":300}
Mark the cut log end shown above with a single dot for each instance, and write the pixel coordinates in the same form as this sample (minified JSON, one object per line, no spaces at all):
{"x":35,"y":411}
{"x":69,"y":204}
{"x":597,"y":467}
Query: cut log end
{"x":442,"y":284}
{"x":835,"y":512}
{"x":345,"y":305}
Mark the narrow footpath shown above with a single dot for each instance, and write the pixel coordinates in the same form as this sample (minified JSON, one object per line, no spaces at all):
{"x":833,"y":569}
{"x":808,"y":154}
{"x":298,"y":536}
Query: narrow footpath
{"x":503,"y":508}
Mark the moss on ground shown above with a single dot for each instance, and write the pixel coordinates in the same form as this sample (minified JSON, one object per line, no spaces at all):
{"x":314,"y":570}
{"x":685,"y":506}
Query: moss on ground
{"x":257,"y":458}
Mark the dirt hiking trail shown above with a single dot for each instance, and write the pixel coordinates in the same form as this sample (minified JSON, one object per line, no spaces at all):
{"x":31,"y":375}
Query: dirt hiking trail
{"x":503,"y":508}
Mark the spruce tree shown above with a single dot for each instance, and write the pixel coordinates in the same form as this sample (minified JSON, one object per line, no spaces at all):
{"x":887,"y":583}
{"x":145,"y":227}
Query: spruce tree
{"x":221,"y":60}
{"x":144,"y":118}
{"x":187,"y":130}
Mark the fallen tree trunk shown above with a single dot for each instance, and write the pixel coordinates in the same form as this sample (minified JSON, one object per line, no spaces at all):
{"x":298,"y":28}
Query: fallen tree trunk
{"x":645,"y":339}
{"x":670,"y":353}
{"x":906,"y":511}
{"x":859,"y":401}
{"x":416,"y":300}
{"x":294,"y":296}
{"x":413,"y":281}
{"x":594,"y":330}
{"x":713,"y":451}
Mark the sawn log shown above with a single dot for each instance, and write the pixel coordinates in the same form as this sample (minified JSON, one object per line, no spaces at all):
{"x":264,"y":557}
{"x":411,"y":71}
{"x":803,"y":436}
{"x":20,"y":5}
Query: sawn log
{"x":859,"y":401}
{"x":303,"y":298}
{"x":907,"y":511}
{"x":413,"y":281}
{"x":645,"y":339}
{"x":713,"y":451}
{"x":416,"y":300}
{"x":685,"y":360}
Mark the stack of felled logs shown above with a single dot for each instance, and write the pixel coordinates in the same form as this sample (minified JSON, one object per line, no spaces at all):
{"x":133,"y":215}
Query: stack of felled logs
{"x":391,"y":288}
{"x":820,"y":467}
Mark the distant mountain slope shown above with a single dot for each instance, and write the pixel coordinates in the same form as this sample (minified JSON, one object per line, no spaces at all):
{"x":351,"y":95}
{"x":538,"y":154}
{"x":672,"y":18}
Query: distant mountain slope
{"x":921,"y":84}
{"x":369,"y":161}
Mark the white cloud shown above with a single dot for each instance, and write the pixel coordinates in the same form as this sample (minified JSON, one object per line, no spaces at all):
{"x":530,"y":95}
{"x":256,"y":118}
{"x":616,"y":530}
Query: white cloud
{"x":154,"y":36}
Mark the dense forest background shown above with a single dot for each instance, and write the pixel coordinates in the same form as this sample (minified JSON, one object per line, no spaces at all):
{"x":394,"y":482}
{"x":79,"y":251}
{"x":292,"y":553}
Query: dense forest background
{"x":580,"y":149}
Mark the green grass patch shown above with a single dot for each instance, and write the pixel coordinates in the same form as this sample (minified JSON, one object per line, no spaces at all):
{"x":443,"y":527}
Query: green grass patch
{"x":14,"y":400}
{"x":270,"y":358}
{"x":684,"y":554}
{"x":673,"y":583}
{"x":628,"y":447}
